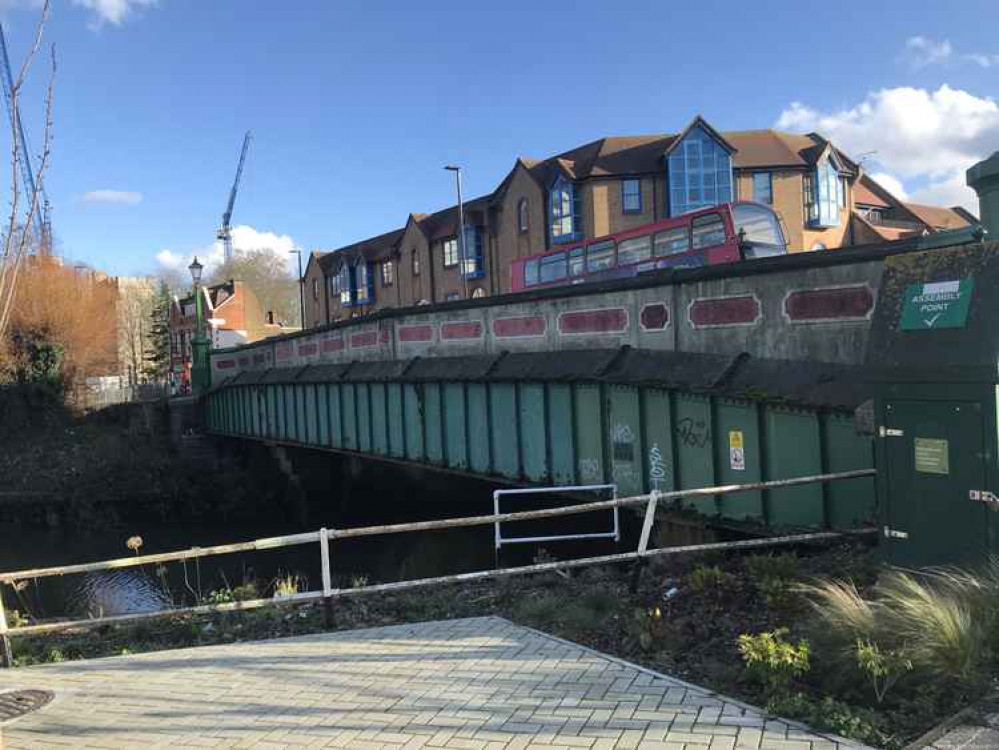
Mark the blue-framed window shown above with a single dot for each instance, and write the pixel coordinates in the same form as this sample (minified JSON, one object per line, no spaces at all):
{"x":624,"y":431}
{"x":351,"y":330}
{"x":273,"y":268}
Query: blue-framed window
{"x":823,"y":193}
{"x":473,"y":267}
{"x":346,"y":285}
{"x":563,"y":211}
{"x":763,"y":188}
{"x":700,"y":173}
{"x":631,"y":196}
{"x":364,"y":283}
{"x":450,"y":252}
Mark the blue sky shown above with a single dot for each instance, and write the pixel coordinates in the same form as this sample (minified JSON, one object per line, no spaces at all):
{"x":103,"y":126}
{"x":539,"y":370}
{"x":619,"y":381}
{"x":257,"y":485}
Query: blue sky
{"x":355,"y":106}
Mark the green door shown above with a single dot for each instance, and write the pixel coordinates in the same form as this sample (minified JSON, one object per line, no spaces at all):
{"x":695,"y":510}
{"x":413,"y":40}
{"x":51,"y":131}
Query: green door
{"x":934,"y":452}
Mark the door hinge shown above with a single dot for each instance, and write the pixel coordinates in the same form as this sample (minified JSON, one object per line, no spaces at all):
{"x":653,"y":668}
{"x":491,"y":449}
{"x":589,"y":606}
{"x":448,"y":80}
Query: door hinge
{"x":983,"y":496}
{"x":889,"y":432}
{"x":895,"y":533}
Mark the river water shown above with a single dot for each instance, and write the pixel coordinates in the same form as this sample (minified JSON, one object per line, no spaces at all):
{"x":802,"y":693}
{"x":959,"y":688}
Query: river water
{"x":152,"y":587}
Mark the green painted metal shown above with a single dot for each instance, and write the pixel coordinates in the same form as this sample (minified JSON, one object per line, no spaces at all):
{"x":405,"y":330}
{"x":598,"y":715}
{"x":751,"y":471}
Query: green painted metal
{"x":532,"y":436}
{"x":793,"y":449}
{"x":503,"y":419}
{"x":589,"y":435}
{"x":434,"y":419}
{"x":349,"y":406}
{"x":379,"y":420}
{"x":323,"y":413}
{"x":362,"y":401}
{"x":660,"y":471}
{"x":455,"y":432}
{"x":624,"y":439}
{"x":850,"y":503}
{"x":695,"y":456}
{"x":478,"y":426}
{"x":413,"y":409}
{"x":560,"y":434}
{"x":396,"y":421}
{"x":738,"y":457}
{"x":640,"y":439}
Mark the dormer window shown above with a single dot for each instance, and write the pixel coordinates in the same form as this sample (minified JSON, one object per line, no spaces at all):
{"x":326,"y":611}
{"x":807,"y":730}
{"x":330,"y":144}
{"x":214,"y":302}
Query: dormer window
{"x":700,"y":173}
{"x":563,"y":211}
{"x":824,"y":195}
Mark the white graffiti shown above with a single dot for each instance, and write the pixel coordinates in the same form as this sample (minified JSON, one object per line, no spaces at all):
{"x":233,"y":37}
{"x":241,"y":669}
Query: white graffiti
{"x":621,"y":433}
{"x":657,"y":469}
{"x":589,"y":469}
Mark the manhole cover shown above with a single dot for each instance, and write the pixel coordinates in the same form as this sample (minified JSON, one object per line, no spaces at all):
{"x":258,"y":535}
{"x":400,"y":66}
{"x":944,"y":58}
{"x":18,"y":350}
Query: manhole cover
{"x":20,"y":702}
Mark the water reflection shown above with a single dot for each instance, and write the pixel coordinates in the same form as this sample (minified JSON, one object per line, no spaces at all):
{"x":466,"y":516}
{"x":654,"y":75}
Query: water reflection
{"x":117,"y":592}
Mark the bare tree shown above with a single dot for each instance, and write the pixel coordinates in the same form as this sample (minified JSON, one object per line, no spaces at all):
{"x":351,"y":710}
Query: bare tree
{"x":136,"y":298}
{"x":18,"y":239}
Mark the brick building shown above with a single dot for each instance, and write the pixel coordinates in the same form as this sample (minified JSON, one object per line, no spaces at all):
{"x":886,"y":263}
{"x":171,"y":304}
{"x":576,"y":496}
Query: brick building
{"x":233,"y":316}
{"x":616,"y":183}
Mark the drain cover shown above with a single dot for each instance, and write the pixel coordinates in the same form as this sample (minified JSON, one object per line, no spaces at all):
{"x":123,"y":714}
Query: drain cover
{"x":20,"y":702}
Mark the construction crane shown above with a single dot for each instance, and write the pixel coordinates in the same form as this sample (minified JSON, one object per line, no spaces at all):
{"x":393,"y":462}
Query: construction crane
{"x":43,"y":227}
{"x":225,"y":232}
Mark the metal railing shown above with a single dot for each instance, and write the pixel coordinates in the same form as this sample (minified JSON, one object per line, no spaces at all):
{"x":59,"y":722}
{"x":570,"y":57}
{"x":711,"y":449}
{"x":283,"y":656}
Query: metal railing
{"x":500,"y":540}
{"x":324,"y":536}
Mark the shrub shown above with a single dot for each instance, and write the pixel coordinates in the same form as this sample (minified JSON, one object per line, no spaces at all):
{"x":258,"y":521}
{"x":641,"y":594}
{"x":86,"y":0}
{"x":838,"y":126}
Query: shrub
{"x":782,"y":567}
{"x":773,"y":660}
{"x":884,"y":667}
{"x":704,"y":578}
{"x":831,"y":715}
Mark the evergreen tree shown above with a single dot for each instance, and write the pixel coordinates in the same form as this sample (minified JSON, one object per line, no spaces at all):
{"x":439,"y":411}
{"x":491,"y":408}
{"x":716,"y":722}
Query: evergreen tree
{"x":158,"y":359}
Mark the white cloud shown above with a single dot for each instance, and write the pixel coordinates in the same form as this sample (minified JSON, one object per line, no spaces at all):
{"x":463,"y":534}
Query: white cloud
{"x":121,"y":197}
{"x":244,"y":238}
{"x":112,"y":11}
{"x":927,"y":137}
{"x":982,"y":61}
{"x":921,"y":51}
{"x":891,"y":183}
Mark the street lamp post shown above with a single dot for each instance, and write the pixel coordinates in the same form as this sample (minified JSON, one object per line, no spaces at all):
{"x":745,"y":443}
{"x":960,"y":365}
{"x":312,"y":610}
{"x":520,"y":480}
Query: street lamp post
{"x":201,"y":374}
{"x":301,"y":289}
{"x":463,"y":265}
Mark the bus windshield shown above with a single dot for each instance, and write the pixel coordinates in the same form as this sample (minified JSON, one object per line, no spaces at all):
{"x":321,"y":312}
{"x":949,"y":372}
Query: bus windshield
{"x":759,"y":231}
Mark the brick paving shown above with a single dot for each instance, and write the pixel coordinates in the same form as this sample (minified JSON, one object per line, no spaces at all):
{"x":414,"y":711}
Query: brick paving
{"x":475,"y":684}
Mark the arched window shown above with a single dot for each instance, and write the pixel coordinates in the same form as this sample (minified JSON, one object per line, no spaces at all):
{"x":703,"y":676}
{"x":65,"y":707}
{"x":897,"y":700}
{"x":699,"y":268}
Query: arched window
{"x":563,"y":211}
{"x":523,"y":216}
{"x":478,"y":292}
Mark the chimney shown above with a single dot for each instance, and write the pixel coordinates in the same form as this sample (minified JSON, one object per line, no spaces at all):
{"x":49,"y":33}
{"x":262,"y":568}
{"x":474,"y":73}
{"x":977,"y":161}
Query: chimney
{"x":270,"y":317}
{"x":983,"y":178}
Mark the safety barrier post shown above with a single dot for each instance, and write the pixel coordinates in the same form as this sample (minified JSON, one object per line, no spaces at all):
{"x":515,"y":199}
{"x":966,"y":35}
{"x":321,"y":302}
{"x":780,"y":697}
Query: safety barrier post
{"x":6,"y":654}
{"x":324,"y":551}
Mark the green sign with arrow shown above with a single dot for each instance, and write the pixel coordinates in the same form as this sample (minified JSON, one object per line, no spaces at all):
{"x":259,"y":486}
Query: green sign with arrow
{"x":939,"y":304}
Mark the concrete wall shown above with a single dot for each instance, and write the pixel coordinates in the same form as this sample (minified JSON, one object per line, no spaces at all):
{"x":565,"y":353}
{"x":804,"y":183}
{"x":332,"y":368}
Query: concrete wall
{"x":788,"y":308}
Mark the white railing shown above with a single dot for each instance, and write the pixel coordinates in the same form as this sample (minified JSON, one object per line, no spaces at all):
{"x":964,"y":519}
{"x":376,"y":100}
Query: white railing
{"x":323,"y":536}
{"x":500,"y":540}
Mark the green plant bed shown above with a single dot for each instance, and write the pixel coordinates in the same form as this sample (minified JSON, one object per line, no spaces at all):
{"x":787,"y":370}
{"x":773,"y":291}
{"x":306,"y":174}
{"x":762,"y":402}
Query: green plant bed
{"x":684,"y":618}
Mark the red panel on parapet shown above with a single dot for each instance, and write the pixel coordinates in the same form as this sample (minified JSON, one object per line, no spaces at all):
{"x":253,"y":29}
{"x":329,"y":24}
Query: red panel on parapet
{"x":724,"y":311}
{"x":283,"y":350}
{"x":416,"y":333}
{"x":655,"y":317}
{"x":335,"y":344}
{"x":471,"y":329}
{"x":844,"y":303}
{"x":530,"y":325}
{"x":609,"y":320}
{"x":308,"y":350}
{"x":225,"y":364}
{"x":364,"y":339}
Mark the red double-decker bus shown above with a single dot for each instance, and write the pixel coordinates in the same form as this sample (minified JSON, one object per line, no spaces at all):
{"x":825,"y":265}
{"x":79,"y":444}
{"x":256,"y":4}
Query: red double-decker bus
{"x":721,"y":234}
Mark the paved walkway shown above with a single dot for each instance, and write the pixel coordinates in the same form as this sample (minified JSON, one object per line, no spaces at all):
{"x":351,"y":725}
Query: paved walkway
{"x":475,"y":684}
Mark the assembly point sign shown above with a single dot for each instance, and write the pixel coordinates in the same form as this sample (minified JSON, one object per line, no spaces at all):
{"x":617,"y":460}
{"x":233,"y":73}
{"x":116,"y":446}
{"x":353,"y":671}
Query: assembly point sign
{"x":941,"y":304}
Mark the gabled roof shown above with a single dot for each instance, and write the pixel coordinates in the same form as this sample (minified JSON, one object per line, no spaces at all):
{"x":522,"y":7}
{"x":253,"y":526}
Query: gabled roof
{"x":373,"y":248}
{"x":867,"y":192}
{"x":700,"y":122}
{"x":444,"y":223}
{"x":938,"y":217}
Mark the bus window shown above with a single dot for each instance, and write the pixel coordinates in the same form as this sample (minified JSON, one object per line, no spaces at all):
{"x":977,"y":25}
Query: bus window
{"x":531,"y":272}
{"x":672,"y":241}
{"x":552,"y":268}
{"x":634,"y":250}
{"x":758,"y":229}
{"x":577,"y":263}
{"x":600,"y":256}
{"x":707,"y":231}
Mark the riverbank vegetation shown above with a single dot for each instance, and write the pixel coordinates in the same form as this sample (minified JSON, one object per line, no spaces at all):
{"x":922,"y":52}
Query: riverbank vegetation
{"x":824,"y":635}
